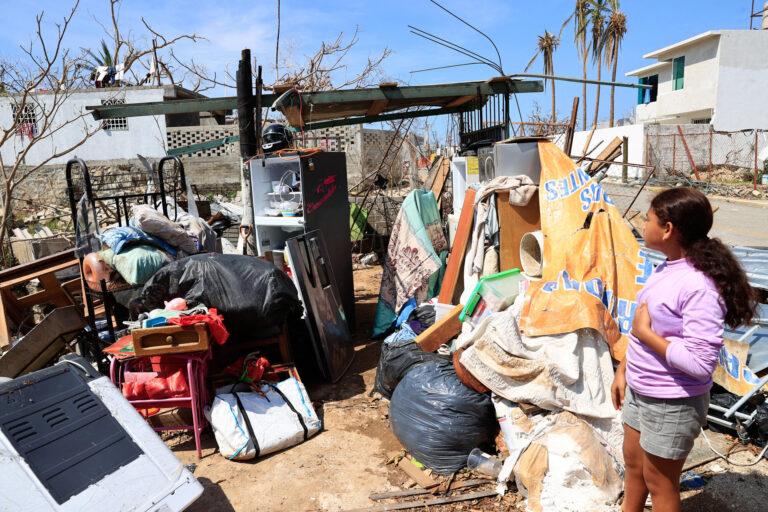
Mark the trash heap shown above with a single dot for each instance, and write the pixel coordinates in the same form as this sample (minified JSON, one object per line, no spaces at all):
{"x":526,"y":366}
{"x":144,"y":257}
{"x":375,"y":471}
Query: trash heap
{"x":508,"y":348}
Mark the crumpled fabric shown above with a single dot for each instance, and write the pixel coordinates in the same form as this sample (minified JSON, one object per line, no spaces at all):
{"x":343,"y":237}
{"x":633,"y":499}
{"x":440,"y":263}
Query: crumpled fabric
{"x":157,"y":388}
{"x":571,"y":371}
{"x":521,"y":189}
{"x":155,"y":223}
{"x":213,"y":319}
{"x":121,"y":237}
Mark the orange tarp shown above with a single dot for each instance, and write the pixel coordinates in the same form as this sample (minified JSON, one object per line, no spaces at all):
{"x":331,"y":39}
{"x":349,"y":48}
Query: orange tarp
{"x":593,"y":266}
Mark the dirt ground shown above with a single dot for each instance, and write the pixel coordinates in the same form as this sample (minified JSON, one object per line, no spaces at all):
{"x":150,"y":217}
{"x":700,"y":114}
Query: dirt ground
{"x":343,"y":464}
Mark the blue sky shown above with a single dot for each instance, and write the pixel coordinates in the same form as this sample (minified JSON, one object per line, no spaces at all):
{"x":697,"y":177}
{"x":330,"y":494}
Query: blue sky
{"x":230,"y":26}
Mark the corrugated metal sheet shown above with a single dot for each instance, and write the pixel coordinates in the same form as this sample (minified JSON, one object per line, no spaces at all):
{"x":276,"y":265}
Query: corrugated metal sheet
{"x":754,"y":261}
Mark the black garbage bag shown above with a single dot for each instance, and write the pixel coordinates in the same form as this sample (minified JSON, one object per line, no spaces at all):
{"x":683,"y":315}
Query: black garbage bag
{"x":250,"y":293}
{"x":438,"y":419}
{"x":399,"y":352}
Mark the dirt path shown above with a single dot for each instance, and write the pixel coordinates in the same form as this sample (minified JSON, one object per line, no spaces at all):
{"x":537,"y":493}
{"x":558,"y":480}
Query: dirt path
{"x":341,"y":466}
{"x":335,"y":470}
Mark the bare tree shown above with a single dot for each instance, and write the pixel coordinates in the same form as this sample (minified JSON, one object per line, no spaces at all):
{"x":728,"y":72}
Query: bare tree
{"x":129,"y":52}
{"x":320,"y":71}
{"x":36,"y":93}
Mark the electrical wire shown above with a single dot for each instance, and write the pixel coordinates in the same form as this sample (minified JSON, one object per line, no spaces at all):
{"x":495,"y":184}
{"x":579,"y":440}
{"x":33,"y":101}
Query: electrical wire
{"x":725,"y":457}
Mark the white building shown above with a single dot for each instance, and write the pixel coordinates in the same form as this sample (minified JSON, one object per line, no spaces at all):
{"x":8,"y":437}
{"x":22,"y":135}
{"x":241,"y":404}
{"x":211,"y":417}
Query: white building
{"x":118,"y":139}
{"x":719,"y":77}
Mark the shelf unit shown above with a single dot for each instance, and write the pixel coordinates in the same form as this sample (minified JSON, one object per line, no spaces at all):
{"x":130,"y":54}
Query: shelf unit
{"x":325,"y":208}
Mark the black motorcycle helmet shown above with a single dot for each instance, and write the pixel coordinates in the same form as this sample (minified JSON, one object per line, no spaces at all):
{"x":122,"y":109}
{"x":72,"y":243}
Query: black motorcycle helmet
{"x":275,"y":137}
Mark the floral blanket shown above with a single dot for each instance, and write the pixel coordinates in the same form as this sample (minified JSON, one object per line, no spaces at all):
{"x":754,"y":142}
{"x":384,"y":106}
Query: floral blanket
{"x":415,"y":258}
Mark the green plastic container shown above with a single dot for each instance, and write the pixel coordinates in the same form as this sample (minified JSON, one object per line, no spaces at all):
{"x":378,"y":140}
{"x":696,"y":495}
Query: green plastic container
{"x":492,"y":294}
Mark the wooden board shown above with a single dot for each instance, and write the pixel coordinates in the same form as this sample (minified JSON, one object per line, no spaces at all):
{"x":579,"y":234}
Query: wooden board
{"x":440,"y":179}
{"x":610,"y":153}
{"x":514,"y":222}
{"x":36,"y":349}
{"x":420,"y":477}
{"x":14,"y":310}
{"x":453,"y":271}
{"x":441,"y":331}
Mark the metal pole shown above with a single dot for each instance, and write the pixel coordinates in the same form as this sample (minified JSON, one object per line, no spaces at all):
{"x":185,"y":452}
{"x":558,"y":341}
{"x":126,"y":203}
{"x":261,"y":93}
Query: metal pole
{"x":674,"y":149}
{"x":624,"y":159}
{"x":746,"y":397}
{"x":245,"y":119}
{"x":754,"y":180}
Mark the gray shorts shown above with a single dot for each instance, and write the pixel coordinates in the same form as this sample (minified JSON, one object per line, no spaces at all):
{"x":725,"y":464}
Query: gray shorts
{"x":668,"y":427}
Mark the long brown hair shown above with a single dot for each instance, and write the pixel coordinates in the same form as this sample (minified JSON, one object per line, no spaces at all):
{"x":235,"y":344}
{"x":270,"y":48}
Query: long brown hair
{"x":690,"y":213}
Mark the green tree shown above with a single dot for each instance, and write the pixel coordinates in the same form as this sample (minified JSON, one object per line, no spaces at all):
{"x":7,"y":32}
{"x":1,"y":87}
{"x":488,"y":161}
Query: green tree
{"x":546,"y":46}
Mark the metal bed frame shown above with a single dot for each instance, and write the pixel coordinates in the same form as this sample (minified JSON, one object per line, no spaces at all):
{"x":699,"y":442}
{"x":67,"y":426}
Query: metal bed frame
{"x":90,"y":345}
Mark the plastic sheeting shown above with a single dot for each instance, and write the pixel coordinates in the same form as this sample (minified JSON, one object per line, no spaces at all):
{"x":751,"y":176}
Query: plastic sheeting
{"x":593,"y":265}
{"x":438,"y":419}
{"x":250,"y":293}
{"x":399,"y":353}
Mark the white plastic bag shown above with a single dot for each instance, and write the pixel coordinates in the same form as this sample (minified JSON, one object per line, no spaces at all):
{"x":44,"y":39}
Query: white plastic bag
{"x":279,"y":417}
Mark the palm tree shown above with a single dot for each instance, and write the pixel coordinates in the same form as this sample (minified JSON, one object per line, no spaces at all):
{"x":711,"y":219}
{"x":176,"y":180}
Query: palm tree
{"x":615,"y":31}
{"x":597,"y":21}
{"x":580,"y":26}
{"x":546,"y":46}
{"x":104,"y":58}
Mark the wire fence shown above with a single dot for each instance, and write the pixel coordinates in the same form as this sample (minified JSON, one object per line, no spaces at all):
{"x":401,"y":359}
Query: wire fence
{"x":703,"y":154}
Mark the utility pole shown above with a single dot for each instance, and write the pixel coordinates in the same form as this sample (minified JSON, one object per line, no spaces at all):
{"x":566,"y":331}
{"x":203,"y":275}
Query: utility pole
{"x":248,"y":146}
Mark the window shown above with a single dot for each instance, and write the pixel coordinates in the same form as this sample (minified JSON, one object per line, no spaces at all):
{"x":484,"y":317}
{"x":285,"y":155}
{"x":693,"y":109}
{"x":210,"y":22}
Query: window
{"x":115,"y":123}
{"x":645,"y":96}
{"x":705,"y":120}
{"x":26,"y":119}
{"x":678,"y":72}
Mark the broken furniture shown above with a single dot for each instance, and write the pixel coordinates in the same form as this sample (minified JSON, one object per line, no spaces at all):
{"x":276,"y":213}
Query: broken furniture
{"x":194,"y":366}
{"x":28,"y":247}
{"x":514,"y":223}
{"x":88,"y":216}
{"x":43,"y":343}
{"x":317,"y":184}
{"x":57,"y":289}
{"x":314,"y":277}
{"x":74,"y":444}
{"x":170,"y":339}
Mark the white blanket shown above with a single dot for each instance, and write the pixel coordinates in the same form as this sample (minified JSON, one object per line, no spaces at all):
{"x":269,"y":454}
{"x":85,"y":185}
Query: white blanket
{"x":571,"y":372}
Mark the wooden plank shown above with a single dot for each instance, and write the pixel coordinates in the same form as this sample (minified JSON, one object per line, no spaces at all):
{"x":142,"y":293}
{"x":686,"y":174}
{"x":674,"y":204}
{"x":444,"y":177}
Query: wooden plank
{"x":588,"y":141}
{"x":424,"y":504}
{"x":42,"y":343}
{"x":440,"y":179}
{"x":442,"y":331}
{"x":40,"y":264}
{"x":418,"y":476}
{"x":434,"y":169}
{"x":461,"y":100}
{"x":611,"y":152}
{"x":514,"y":222}
{"x":377,"y":107}
{"x":420,"y":492}
{"x":568,"y":145}
{"x":460,"y":242}
{"x":688,"y":153}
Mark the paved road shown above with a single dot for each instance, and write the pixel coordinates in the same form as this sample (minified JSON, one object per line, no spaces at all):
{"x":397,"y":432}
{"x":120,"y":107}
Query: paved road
{"x":737,"y":222}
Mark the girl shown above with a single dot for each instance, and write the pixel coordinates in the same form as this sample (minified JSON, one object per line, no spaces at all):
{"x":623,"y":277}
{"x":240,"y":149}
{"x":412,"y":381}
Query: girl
{"x":664,"y":381}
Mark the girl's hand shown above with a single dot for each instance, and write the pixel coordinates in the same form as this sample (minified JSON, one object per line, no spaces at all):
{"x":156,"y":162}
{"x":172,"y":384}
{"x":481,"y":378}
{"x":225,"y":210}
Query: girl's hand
{"x":619,"y":386}
{"x":641,"y":325}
